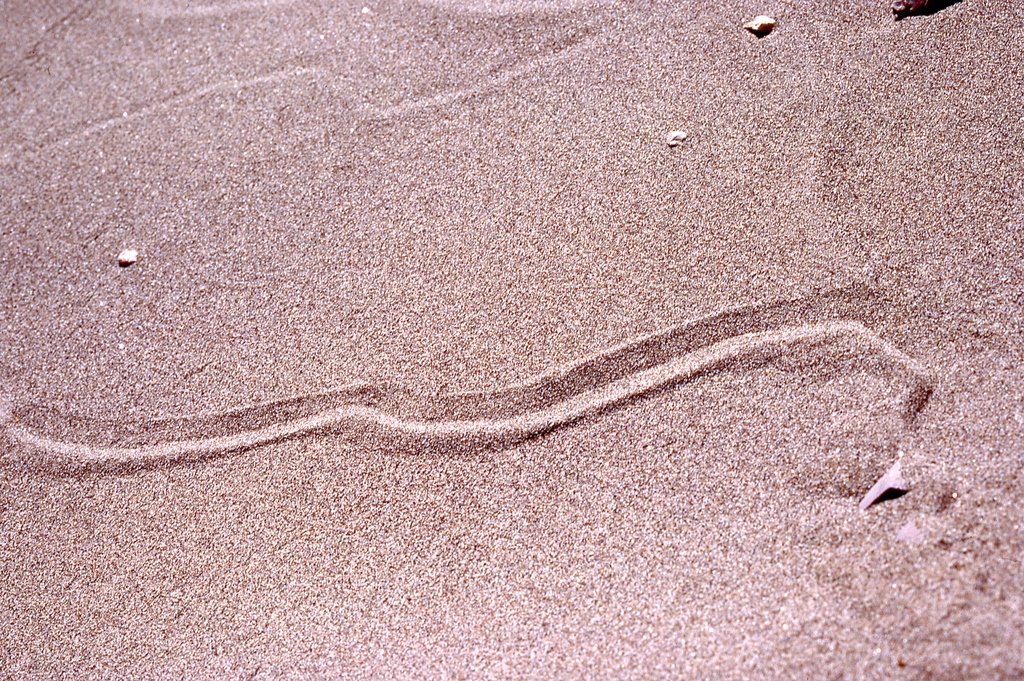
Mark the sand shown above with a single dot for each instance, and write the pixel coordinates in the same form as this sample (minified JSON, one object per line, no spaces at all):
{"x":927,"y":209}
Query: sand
{"x":437,"y":361}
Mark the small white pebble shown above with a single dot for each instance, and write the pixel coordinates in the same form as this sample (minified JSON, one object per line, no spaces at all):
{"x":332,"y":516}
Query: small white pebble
{"x":127,"y":257}
{"x":760,"y":25}
{"x":676,"y":138}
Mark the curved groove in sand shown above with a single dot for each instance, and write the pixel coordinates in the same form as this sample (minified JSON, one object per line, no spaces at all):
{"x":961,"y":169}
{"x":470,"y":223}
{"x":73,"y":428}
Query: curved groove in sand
{"x":162,"y":10}
{"x":496,"y":81}
{"x":519,"y":422}
{"x":492,"y":82}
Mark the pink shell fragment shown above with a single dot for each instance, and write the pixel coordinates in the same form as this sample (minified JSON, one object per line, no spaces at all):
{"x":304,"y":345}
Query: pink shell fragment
{"x":903,"y":7}
{"x":891,"y":482}
{"x":910,"y":534}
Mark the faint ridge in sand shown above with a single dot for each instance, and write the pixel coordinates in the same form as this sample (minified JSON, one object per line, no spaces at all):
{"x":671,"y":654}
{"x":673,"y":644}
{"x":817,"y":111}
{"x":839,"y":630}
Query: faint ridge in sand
{"x":452,"y":423}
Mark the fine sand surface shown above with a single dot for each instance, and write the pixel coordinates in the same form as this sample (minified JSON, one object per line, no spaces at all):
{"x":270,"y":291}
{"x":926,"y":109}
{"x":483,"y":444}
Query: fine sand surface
{"x":439,"y":362}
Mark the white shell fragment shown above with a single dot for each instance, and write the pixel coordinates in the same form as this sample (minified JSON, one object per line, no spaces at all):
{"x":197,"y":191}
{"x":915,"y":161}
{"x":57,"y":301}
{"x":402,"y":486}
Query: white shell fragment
{"x":127,"y":257}
{"x":676,"y":138}
{"x":892,"y":481}
{"x":760,"y":25}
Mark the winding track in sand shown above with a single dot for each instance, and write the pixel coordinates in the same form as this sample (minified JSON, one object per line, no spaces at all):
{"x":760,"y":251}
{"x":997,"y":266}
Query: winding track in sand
{"x":736,"y":339}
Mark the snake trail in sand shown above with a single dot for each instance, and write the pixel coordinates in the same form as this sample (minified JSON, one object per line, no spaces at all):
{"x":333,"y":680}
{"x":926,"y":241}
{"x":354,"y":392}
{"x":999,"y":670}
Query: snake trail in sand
{"x":402,"y":420}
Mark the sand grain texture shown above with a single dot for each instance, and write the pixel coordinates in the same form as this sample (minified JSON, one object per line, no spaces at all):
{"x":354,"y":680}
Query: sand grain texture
{"x":438,"y":361}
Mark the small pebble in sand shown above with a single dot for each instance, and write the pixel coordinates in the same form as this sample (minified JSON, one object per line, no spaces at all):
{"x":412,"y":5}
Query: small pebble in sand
{"x":127,"y":257}
{"x":760,"y":25}
{"x":676,"y":138}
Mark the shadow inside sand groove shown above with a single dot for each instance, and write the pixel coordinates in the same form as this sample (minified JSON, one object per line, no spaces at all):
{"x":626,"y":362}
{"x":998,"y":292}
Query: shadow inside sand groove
{"x":825,"y":329}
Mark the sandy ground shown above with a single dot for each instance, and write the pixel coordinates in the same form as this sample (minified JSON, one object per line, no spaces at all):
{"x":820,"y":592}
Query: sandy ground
{"x":446,"y":215}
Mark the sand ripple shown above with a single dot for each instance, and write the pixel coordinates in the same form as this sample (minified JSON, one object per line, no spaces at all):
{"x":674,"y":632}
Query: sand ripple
{"x":455,"y":423}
